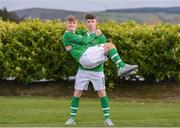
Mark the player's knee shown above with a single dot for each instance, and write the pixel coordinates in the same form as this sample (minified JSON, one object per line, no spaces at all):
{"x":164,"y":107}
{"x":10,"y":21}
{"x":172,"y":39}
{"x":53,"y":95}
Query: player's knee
{"x":78,"y":93}
{"x":110,"y":45}
{"x":101,"y":93}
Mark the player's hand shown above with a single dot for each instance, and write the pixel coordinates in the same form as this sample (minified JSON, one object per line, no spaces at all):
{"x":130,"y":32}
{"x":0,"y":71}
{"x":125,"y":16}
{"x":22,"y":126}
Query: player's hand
{"x":98,"y":32}
{"x":68,"y":48}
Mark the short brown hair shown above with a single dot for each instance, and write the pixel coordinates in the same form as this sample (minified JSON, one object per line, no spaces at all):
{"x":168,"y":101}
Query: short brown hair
{"x":90,"y":16}
{"x":71,"y":18}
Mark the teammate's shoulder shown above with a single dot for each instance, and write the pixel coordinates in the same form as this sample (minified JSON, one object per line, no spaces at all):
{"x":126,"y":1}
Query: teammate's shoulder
{"x":102,"y":36}
{"x":67,"y":33}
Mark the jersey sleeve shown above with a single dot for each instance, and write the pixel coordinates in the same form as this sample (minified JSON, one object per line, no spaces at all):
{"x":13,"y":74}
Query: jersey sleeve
{"x":81,"y":31}
{"x":78,"y":39}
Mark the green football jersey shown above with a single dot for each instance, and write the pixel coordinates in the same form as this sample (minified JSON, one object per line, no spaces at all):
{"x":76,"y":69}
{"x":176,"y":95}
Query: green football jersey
{"x":101,"y":39}
{"x":78,"y":42}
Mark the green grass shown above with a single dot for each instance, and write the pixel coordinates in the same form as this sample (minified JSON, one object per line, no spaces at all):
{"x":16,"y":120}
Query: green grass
{"x":43,"y":111}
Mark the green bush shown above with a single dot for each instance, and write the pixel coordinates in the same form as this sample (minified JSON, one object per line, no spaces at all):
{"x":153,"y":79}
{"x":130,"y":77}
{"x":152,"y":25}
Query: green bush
{"x":32,"y":50}
{"x":156,"y":49}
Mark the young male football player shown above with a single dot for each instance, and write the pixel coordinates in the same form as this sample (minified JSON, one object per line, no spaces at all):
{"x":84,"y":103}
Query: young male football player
{"x":94,"y":74}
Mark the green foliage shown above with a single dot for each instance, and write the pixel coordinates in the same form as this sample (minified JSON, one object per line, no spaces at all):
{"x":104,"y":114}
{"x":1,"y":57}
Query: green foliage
{"x":33,"y":50}
{"x":156,"y":49}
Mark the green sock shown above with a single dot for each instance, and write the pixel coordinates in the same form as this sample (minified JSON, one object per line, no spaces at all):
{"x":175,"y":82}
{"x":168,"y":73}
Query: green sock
{"x":105,"y":106}
{"x":113,"y":54}
{"x":74,"y":106}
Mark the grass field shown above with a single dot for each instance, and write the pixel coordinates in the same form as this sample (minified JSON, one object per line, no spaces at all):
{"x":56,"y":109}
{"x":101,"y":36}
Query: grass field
{"x":44,"y":111}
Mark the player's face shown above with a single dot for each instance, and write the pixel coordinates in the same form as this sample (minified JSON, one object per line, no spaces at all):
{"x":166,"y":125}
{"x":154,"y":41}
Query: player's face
{"x":91,"y":24}
{"x":71,"y":25}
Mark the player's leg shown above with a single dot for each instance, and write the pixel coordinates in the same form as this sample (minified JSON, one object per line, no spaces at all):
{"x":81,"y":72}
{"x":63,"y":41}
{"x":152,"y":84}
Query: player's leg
{"x":75,"y":102}
{"x":104,"y":103}
{"x":74,"y":107}
{"x":98,"y":81}
{"x":123,"y":68}
{"x":81,"y":83}
{"x":105,"y":107}
{"x":93,"y":57}
{"x":96,"y":55}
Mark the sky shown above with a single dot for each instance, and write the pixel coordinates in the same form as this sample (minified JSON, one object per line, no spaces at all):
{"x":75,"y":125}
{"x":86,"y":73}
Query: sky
{"x":85,"y":5}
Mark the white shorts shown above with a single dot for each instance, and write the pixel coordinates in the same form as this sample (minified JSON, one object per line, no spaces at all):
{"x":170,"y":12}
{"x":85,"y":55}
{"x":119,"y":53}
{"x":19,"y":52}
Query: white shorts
{"x":93,"y":57}
{"x":83,"y":77}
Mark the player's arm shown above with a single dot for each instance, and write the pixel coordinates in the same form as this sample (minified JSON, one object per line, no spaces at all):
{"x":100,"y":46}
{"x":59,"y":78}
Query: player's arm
{"x":78,"y":39}
{"x":81,"y":31}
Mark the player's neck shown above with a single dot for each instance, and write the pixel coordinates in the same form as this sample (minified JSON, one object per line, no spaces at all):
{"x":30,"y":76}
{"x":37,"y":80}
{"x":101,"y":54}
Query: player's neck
{"x":71,"y":31}
{"x":91,"y":31}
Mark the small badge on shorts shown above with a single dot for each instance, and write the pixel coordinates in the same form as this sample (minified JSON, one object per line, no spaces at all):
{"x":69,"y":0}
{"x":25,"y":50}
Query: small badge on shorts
{"x":103,"y":81}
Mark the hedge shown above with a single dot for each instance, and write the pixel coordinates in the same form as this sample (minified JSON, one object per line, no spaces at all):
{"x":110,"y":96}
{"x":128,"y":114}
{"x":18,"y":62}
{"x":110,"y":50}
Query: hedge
{"x":32,"y":50}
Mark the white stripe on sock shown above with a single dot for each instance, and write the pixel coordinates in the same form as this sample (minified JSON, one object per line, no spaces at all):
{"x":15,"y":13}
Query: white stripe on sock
{"x":74,"y":108}
{"x":117,"y":62}
{"x":114,"y":56}
{"x":107,"y":114}
{"x":105,"y":108}
{"x":73,"y":114}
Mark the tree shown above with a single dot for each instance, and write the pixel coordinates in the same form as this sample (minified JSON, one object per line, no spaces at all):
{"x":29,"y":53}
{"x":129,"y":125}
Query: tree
{"x":11,"y":16}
